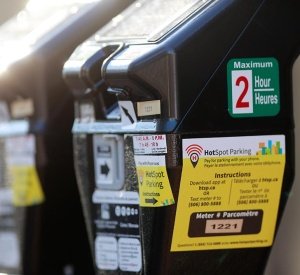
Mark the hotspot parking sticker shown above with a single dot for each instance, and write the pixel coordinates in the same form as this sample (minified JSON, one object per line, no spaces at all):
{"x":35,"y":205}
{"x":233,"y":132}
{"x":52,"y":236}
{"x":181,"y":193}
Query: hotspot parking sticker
{"x":229,"y":192}
{"x":253,"y":87}
{"x":154,"y":185}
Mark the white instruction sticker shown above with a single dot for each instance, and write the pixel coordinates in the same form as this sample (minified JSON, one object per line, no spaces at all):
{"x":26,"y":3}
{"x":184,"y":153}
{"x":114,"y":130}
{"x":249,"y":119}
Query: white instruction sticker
{"x":150,"y":144}
{"x":125,"y":253}
{"x":106,"y":253}
{"x":130,"y":254}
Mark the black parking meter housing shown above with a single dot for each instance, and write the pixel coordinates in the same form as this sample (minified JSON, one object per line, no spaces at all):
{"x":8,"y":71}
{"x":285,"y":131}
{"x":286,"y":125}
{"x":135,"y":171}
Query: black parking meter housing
{"x":183,"y":101}
{"x":51,"y":235}
{"x":83,"y":76}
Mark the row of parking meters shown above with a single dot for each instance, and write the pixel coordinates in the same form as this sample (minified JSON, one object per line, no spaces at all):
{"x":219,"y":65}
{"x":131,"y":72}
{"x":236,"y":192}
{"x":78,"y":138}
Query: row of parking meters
{"x":183,"y":140}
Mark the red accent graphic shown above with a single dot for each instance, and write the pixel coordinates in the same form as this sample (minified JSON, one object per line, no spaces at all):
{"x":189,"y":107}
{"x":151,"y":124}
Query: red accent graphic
{"x":240,"y":102}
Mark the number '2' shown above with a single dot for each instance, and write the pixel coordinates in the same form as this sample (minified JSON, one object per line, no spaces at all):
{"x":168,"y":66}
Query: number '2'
{"x":240,"y":102}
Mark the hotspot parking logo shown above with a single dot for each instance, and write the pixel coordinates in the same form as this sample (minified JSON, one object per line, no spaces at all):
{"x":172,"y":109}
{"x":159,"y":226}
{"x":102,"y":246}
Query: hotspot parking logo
{"x":194,"y":151}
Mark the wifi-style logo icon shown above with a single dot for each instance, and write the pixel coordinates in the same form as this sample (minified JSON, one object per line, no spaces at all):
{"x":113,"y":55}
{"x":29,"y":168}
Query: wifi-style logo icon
{"x":194,"y":151}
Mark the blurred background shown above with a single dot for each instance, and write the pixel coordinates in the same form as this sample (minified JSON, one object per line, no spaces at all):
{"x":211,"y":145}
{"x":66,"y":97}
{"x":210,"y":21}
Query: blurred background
{"x":284,"y":258}
{"x":10,"y":7}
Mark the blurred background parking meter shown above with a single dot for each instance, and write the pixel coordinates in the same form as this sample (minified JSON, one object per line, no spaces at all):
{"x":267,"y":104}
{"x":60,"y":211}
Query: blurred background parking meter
{"x":183,"y":134}
{"x":41,"y":223}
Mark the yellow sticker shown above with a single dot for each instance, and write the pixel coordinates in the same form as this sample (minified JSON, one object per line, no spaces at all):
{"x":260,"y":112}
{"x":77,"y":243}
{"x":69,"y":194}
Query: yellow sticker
{"x":154,"y":185}
{"x":229,"y":192}
{"x":26,"y":185}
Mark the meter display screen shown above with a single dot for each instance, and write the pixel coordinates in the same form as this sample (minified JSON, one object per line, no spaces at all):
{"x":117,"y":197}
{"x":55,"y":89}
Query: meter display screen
{"x":29,"y":27}
{"x":149,"y":20}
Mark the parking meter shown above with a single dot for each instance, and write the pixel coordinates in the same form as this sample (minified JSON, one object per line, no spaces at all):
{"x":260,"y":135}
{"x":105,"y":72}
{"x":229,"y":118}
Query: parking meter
{"x":41,"y":223}
{"x":186,"y":167}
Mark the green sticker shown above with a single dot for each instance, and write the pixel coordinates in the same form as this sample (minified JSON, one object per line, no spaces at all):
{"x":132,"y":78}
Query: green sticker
{"x":253,"y":87}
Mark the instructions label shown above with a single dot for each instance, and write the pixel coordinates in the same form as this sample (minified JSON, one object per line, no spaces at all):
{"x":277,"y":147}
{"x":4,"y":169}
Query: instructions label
{"x":229,"y":192}
{"x":154,"y":185}
{"x":253,"y":87}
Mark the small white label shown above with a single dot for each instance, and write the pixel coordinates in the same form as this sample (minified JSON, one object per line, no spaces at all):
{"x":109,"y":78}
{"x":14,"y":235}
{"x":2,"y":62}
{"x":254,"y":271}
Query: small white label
{"x":128,"y":115}
{"x":150,"y":144}
{"x":148,"y":108}
{"x":22,"y":108}
{"x":130,"y":254}
{"x":9,"y":250}
{"x":106,"y":251}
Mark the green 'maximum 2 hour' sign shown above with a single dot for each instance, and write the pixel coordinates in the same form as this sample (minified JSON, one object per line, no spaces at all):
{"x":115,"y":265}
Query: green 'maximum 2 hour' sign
{"x":253,"y":87}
